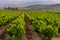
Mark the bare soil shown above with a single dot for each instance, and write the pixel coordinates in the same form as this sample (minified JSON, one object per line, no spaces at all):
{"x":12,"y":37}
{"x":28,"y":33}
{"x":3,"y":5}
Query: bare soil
{"x":3,"y":34}
{"x":29,"y":35}
{"x":30,"y":32}
{"x":56,"y":37}
{"x":32,"y":35}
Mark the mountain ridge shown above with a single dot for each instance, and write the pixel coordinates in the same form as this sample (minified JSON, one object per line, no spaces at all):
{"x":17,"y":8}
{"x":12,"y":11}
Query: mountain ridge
{"x":43,"y":6}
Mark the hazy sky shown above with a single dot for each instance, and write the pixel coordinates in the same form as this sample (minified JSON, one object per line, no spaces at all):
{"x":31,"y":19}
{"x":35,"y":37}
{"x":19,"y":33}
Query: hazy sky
{"x":17,"y":1}
{"x":27,"y":1}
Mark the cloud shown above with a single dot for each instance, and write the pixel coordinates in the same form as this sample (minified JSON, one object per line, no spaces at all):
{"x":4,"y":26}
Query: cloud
{"x":23,"y":2}
{"x":13,"y":1}
{"x":57,"y":1}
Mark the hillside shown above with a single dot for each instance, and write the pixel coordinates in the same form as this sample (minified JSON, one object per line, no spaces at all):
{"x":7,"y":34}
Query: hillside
{"x":40,"y":6}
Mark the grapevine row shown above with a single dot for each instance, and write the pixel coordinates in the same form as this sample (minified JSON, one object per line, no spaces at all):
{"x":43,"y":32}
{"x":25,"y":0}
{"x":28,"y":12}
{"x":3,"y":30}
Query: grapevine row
{"x":7,"y":16}
{"x":16,"y":29}
{"x":45,"y":23}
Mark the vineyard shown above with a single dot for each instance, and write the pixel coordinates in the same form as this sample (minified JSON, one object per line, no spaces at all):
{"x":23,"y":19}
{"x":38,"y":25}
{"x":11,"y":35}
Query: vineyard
{"x":29,"y":25}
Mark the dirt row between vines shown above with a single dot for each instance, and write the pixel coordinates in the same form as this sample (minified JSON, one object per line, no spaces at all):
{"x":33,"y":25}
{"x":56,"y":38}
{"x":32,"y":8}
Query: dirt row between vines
{"x":29,"y":35}
{"x":30,"y":32}
{"x":3,"y":34}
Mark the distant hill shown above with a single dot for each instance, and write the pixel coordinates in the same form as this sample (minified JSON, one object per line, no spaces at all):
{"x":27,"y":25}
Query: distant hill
{"x":42,"y":6}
